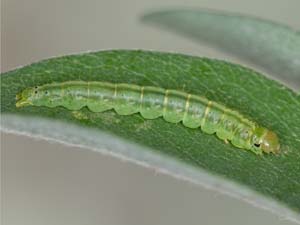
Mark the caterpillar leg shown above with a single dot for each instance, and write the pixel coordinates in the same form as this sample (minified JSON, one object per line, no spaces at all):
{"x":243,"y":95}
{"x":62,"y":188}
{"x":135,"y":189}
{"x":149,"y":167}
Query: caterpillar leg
{"x":80,"y":115}
{"x":256,"y":151}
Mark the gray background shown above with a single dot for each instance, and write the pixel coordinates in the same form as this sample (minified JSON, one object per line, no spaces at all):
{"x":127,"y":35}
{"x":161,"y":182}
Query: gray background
{"x":46,"y":183}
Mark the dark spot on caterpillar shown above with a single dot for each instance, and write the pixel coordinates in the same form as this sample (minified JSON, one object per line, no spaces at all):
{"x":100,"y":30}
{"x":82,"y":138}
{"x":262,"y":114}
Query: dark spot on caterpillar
{"x":35,"y":92}
{"x":257,"y":145}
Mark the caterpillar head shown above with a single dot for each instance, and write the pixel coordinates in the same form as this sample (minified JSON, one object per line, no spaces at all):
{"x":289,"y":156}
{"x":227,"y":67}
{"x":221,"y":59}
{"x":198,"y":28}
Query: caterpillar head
{"x":265,"y":140}
{"x":28,"y":96}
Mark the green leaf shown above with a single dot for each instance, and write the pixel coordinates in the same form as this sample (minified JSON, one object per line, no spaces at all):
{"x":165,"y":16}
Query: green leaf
{"x":165,"y":145}
{"x":269,"y":45}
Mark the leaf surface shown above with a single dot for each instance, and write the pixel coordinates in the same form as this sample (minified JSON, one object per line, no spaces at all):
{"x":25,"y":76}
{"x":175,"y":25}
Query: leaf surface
{"x":263,"y":100}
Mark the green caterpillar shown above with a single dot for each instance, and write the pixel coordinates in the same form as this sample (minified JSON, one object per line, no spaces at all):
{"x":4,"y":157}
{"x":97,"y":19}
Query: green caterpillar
{"x":152,"y":102}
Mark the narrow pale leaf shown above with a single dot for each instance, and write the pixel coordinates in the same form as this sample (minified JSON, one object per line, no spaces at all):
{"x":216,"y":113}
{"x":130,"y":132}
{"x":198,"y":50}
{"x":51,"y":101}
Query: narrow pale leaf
{"x":271,"y":46}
